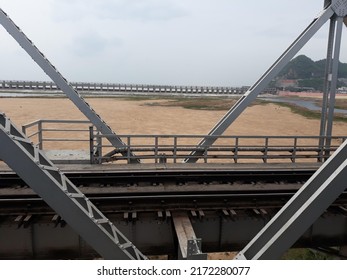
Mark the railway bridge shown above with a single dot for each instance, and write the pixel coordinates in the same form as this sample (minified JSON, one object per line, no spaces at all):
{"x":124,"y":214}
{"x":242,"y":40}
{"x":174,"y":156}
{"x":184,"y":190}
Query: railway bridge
{"x":132,"y":196}
{"x":113,"y":88}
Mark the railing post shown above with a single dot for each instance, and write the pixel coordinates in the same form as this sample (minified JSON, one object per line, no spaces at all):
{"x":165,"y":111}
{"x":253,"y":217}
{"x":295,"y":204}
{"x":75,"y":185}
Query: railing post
{"x":236,"y":149}
{"x":321,"y":142}
{"x":205,"y":154}
{"x":175,"y":150}
{"x":40,"y":138}
{"x":156,"y":149}
{"x":266,"y":149}
{"x":91,"y":144}
{"x":294,"y":149}
{"x":99,"y":147}
{"x":128,"y":150}
{"x":327,"y":147}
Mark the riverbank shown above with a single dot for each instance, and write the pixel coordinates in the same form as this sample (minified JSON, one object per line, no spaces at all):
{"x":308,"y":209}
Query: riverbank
{"x":170,"y":116}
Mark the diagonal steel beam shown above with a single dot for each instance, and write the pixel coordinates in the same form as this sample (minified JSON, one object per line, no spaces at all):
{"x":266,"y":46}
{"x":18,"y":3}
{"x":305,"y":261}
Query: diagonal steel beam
{"x":30,"y":163}
{"x":301,"y":210}
{"x":260,"y":85}
{"x":61,"y":82}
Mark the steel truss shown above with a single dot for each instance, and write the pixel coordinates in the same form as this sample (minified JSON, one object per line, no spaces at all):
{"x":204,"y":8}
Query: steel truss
{"x":325,"y":185}
{"x":62,"y":195}
{"x":333,"y":10}
{"x":331,"y":70}
{"x":301,"y":210}
{"x":60,"y":81}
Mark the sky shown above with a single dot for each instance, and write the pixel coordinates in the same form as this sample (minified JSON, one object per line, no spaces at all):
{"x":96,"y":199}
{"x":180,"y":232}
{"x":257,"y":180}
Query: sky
{"x":162,"y":42}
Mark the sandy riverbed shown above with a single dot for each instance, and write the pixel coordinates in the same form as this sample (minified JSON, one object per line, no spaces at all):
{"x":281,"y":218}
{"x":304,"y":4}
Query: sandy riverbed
{"x":134,"y":117}
{"x":141,"y":117}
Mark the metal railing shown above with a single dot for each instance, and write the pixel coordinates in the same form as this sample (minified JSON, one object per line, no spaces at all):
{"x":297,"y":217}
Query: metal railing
{"x":176,"y":148}
{"x":38,"y":130}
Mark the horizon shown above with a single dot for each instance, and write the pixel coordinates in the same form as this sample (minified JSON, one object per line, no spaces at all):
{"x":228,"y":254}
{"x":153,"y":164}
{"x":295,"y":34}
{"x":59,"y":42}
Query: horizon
{"x":158,"y":42}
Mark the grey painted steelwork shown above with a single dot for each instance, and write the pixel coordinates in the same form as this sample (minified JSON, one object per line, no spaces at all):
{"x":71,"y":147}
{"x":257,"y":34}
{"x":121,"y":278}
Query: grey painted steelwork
{"x":48,"y":237}
{"x":333,"y":83}
{"x":174,"y":148}
{"x":59,"y":80}
{"x":327,"y":81}
{"x":254,"y":91}
{"x":301,"y":211}
{"x":62,"y":195}
{"x":80,"y":127}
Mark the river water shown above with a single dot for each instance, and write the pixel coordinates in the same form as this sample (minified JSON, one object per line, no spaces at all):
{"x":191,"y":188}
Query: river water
{"x":307,"y":104}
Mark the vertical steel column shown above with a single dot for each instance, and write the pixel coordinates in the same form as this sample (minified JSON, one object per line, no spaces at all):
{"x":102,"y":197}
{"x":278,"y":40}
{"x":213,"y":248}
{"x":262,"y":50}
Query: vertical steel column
{"x":253,"y":92}
{"x":59,"y":80}
{"x":301,"y":210}
{"x":334,"y":73}
{"x":327,"y":82}
{"x":34,"y":168}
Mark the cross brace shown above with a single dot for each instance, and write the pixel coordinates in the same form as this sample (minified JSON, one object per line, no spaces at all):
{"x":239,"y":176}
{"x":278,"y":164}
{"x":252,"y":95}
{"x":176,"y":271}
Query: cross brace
{"x":300,"y":212}
{"x":62,"y":195}
{"x":334,"y":8}
{"x":61,"y":82}
{"x":323,"y":187}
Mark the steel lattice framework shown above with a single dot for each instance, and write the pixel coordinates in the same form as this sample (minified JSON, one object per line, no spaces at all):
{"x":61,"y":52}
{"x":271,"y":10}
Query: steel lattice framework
{"x":59,"y":80}
{"x":328,"y":182}
{"x":62,"y":195}
{"x":333,"y":11}
{"x":277,"y":236}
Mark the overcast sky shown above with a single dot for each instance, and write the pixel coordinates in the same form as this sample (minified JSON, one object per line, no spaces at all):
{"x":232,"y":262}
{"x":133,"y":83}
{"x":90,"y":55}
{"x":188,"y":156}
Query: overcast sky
{"x":175,"y":42}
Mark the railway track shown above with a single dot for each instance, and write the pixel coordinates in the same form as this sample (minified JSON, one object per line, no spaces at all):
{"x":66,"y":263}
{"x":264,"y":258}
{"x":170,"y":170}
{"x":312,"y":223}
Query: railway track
{"x":172,"y":176}
{"x":226,"y":208}
{"x":153,"y":190}
{"x":167,"y":190}
{"x":143,"y":202}
{"x":150,"y":190}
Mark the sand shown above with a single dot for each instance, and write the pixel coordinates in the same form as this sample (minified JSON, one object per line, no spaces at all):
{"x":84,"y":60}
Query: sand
{"x":139,"y":117}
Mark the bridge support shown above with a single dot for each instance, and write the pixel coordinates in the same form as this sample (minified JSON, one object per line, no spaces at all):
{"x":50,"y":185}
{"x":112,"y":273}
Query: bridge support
{"x":332,"y":9}
{"x":330,"y":84}
{"x":301,"y":211}
{"x":62,"y":195}
{"x":189,"y":245}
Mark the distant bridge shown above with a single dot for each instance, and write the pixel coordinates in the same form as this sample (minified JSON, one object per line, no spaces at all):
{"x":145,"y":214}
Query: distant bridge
{"x":130,"y":88}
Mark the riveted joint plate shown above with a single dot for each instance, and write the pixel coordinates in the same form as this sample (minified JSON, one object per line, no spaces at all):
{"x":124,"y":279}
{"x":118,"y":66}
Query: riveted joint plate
{"x":340,"y":7}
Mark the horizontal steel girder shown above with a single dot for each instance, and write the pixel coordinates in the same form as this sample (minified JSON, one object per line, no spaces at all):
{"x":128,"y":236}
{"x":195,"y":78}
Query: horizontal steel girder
{"x":48,"y":237}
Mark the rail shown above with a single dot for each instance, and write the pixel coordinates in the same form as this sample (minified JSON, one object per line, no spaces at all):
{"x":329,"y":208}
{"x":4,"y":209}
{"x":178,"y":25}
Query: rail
{"x":81,"y":134}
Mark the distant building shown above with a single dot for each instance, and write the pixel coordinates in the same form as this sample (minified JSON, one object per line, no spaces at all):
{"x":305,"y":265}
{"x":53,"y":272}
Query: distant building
{"x":342,"y":90}
{"x":286,"y":83}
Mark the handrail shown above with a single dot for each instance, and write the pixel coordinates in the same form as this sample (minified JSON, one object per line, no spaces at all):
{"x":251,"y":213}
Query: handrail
{"x":40,"y":129}
{"x":175,"y":147}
